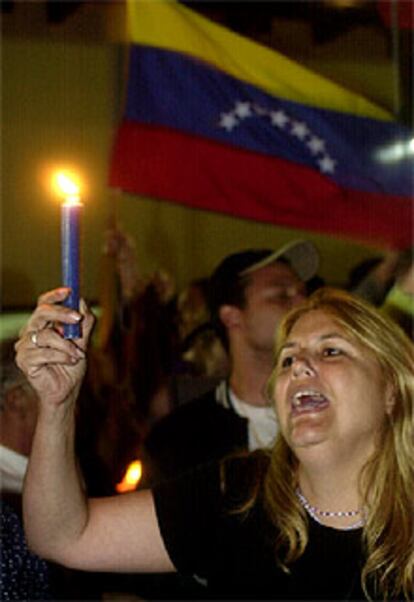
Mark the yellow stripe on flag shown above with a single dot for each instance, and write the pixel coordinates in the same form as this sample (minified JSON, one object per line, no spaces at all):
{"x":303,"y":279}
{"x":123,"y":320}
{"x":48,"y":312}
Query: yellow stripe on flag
{"x":171,"y":26}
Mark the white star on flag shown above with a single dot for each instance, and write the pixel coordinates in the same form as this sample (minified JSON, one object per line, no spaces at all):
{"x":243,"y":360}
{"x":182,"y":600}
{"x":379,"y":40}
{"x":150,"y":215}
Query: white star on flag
{"x":279,"y":118}
{"x":299,"y":129}
{"x":327,"y":164}
{"x":228,"y":121}
{"x":316,"y":145}
{"x":242,"y":110}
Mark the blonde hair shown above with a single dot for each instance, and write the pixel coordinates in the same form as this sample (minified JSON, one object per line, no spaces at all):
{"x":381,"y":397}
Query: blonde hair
{"x":388,"y":534}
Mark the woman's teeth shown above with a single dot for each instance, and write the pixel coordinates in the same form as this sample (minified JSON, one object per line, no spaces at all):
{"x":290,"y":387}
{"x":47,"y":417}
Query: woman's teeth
{"x":308,"y":400}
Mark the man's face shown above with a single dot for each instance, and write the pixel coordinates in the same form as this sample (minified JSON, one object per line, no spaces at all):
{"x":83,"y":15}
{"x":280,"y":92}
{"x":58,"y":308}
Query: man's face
{"x":271,"y":292}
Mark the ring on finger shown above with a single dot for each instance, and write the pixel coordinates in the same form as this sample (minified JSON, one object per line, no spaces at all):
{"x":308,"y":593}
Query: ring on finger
{"x":33,"y":337}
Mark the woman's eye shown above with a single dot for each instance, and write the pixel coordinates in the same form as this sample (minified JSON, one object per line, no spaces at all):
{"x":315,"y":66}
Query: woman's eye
{"x":286,"y":361}
{"x":331,"y":352}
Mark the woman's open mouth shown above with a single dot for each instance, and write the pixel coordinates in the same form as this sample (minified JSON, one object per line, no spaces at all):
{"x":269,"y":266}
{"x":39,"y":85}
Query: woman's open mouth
{"x":307,"y":401}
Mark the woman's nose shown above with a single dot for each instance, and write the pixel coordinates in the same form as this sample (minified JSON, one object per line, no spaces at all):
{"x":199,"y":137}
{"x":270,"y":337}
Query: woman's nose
{"x":302,"y":367}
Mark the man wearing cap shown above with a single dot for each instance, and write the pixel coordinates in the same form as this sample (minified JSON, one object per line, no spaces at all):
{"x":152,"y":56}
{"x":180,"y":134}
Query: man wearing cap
{"x":250,"y":292}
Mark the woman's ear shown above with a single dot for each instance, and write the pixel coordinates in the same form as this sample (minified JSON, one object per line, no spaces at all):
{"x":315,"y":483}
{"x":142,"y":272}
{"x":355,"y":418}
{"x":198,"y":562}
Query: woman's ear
{"x":389,"y":400}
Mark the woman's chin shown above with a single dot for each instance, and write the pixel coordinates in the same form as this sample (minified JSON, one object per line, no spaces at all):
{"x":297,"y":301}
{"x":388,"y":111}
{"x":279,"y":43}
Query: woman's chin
{"x":309,"y":429}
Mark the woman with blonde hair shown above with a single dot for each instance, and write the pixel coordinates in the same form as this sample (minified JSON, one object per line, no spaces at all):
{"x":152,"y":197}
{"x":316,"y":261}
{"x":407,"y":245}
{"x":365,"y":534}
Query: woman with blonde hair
{"x":386,"y":481}
{"x":327,"y":514}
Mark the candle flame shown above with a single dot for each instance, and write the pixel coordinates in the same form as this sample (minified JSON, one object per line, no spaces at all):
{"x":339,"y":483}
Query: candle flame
{"x":67,"y":186}
{"x":131,"y":478}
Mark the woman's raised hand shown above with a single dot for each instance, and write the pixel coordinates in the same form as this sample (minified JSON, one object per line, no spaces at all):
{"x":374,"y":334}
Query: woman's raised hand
{"x":53,"y":365}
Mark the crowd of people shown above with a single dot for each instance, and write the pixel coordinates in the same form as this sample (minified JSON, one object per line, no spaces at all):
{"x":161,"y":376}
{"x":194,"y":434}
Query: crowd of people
{"x":265,"y":471}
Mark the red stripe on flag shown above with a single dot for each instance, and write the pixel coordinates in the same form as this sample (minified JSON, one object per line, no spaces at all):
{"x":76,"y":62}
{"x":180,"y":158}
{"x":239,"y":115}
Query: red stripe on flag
{"x":199,"y":173}
{"x":404,"y":10}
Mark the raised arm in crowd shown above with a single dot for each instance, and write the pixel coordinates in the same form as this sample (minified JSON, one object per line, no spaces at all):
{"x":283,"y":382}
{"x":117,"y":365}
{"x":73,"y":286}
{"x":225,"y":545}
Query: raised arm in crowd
{"x":61,"y":523}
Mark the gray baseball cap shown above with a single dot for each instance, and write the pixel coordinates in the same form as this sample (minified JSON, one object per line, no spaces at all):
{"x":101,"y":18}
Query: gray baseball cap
{"x":301,"y":255}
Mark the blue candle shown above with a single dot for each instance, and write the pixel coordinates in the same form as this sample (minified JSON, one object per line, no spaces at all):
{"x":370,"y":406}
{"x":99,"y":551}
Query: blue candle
{"x":70,"y":224}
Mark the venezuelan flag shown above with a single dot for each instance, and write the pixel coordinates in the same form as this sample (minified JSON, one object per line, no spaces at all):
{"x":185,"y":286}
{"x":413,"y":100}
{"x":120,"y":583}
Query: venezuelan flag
{"x":218,"y":122}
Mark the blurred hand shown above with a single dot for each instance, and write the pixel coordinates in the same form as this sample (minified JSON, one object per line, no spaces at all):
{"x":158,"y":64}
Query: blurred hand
{"x":406,"y":280}
{"x":53,"y":365}
{"x":121,"y":246}
{"x":164,"y":285}
{"x":386,"y":269}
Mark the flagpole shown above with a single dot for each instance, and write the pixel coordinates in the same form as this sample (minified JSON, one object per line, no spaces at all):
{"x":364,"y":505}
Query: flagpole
{"x":109,"y":295}
{"x":109,"y":287}
{"x":395,"y":57}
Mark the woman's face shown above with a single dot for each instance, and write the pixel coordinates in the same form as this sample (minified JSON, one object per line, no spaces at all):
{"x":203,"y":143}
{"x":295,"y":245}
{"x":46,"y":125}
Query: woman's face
{"x":330,"y":391}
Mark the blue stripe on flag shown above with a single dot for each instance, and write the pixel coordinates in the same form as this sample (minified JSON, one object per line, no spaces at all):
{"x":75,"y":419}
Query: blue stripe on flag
{"x":178,"y":91}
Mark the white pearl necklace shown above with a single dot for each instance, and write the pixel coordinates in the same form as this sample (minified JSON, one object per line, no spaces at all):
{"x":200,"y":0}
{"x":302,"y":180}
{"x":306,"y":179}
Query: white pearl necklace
{"x":315,"y":512}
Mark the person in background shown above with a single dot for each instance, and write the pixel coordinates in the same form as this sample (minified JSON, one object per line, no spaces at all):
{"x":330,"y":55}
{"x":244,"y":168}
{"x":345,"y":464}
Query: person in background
{"x":372,"y":278}
{"x":202,"y":360}
{"x":327,"y":513}
{"x":249,"y":293}
{"x":18,"y":414}
{"x":151,"y":333}
{"x":388,"y":283}
{"x":127,"y":385}
{"x":142,"y":362}
{"x":137,"y":331}
{"x":24,"y":576}
{"x":399,"y":302}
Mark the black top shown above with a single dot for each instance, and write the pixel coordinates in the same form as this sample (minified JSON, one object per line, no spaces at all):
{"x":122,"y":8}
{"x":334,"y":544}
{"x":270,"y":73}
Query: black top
{"x":196,"y":433}
{"x":235,"y":552}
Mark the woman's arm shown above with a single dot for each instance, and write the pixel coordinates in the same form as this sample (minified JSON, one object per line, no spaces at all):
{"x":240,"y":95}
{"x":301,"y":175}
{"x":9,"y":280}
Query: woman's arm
{"x":111,"y":534}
